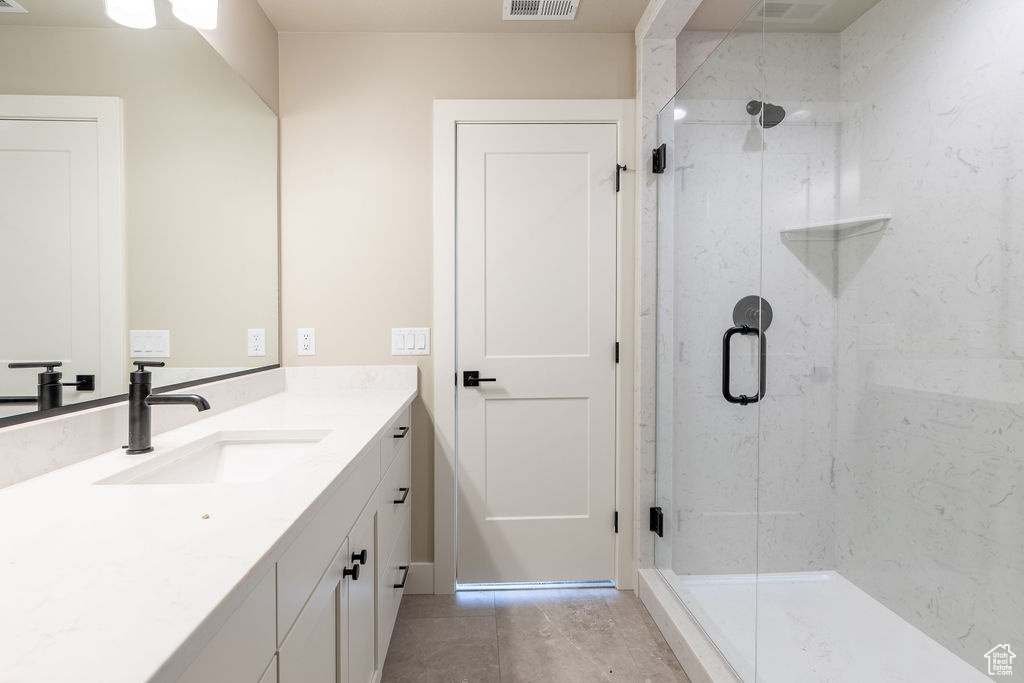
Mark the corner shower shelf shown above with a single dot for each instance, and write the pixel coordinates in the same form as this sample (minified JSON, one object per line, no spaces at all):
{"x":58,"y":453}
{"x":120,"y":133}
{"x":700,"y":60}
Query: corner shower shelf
{"x":835,"y":231}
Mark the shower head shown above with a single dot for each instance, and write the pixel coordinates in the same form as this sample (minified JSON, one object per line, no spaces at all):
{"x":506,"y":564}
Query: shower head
{"x":771,"y":116}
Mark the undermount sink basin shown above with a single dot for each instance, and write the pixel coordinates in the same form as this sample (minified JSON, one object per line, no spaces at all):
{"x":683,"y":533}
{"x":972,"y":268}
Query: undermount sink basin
{"x":229,"y":457}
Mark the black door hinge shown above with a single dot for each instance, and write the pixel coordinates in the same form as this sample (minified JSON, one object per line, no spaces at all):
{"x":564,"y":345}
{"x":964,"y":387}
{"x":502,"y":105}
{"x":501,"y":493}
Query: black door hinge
{"x":619,"y":168}
{"x":456,"y":379}
{"x":616,"y":352}
{"x":658,"y":522}
{"x":616,"y":521}
{"x":660,"y":159}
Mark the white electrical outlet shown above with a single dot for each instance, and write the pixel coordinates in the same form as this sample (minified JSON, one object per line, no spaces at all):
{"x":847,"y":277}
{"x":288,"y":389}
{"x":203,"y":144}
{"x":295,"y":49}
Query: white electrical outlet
{"x":307,"y":341}
{"x":257,"y":342}
{"x":410,"y":341}
{"x":149,"y":343}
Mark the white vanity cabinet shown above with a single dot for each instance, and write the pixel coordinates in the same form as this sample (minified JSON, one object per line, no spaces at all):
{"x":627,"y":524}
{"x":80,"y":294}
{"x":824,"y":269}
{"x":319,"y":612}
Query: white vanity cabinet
{"x":333,"y":596}
{"x":316,"y":649}
{"x":362,"y":605}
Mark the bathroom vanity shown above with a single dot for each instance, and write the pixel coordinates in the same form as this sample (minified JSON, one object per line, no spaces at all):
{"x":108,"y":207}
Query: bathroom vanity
{"x":268,"y":542}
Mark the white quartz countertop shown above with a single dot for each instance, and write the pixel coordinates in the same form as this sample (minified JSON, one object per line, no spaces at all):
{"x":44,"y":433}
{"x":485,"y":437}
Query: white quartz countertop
{"x":109,"y":582}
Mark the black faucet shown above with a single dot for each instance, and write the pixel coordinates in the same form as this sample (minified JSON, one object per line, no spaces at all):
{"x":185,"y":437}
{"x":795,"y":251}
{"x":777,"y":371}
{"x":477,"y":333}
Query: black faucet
{"x":141,"y":397}
{"x":50,"y":391}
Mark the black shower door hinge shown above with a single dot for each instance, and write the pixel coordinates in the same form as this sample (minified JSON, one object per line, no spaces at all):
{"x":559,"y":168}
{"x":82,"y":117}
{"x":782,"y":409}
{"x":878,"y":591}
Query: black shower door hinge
{"x":616,"y":521}
{"x":619,"y":168}
{"x":658,"y":522}
{"x":616,"y":352}
{"x":660,"y":160}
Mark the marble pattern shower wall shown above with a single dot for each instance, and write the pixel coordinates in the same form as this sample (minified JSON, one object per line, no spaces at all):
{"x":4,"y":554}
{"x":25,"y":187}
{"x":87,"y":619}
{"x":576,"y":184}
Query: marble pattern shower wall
{"x":718,"y":251}
{"x":930,"y":516}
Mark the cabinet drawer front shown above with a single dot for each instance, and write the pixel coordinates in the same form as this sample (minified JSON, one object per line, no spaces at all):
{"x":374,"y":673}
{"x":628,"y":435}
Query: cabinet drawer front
{"x":395,"y":437}
{"x":390,"y":597}
{"x":239,"y":652}
{"x":304,"y":562}
{"x":389,"y":513}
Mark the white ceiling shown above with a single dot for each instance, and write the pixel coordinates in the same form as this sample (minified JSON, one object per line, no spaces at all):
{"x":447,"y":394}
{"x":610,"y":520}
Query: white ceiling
{"x":77,"y":13}
{"x":723,"y":15}
{"x":459,"y":16}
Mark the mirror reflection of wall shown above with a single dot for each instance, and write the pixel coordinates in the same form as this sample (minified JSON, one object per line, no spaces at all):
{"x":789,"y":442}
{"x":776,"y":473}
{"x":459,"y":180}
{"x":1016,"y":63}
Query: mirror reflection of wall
{"x":191,"y":183}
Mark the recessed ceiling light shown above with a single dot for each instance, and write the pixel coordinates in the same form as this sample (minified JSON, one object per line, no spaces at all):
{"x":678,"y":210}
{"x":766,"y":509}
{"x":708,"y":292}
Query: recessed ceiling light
{"x":132,"y":13}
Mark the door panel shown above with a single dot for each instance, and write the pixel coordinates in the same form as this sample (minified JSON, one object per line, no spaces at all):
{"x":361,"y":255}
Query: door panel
{"x":49,"y":201}
{"x":362,"y":609}
{"x":536,"y":242}
{"x":316,"y":650}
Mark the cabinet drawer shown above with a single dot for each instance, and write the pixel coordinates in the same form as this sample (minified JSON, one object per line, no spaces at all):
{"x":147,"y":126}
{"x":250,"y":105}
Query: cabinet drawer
{"x":239,"y":652}
{"x":390,"y":597}
{"x":304,"y":562}
{"x":390,"y":513}
{"x":399,"y":434}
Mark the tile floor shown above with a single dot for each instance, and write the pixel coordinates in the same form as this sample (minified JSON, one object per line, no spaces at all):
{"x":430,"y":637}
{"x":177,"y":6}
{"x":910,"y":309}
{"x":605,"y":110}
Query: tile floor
{"x":557,"y":636}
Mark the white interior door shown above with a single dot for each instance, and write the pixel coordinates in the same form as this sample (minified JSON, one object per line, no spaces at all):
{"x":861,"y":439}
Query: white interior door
{"x":48,"y":263}
{"x":535,"y":302}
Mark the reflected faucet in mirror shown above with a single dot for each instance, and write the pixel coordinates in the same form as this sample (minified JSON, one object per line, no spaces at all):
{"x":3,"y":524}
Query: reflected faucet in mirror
{"x":141,"y":397}
{"x":50,"y":390}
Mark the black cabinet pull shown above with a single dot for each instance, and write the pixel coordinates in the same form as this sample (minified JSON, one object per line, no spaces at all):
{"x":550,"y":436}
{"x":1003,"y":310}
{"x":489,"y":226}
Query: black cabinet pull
{"x":360,"y":557}
{"x":472,"y":378}
{"x":353,"y":572}
{"x":742,"y":399}
{"x":405,"y":576}
{"x":405,"y":494}
{"x":403,"y":431}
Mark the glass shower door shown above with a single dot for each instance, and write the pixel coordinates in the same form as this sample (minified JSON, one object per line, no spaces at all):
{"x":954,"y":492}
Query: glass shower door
{"x":711,"y":345}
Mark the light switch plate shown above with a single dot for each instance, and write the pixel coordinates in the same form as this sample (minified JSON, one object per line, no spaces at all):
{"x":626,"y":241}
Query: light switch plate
{"x":149,"y":343}
{"x":257,"y":342}
{"x":410,"y":341}
{"x":307,"y":341}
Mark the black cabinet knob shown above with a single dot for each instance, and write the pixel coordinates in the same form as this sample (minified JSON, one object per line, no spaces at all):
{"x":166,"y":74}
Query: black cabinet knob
{"x":360,"y":557}
{"x":353,"y":572}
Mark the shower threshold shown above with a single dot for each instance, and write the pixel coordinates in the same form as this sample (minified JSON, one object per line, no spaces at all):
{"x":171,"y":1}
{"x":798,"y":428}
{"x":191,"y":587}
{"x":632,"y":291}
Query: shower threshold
{"x":813,"y":627}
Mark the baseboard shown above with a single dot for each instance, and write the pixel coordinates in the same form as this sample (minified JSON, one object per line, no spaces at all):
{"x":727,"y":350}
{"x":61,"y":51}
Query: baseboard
{"x":421,"y":579}
{"x":698,"y":656}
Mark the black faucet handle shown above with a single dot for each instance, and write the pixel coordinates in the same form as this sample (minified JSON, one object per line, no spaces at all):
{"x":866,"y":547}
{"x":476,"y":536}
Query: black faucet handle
{"x":143,"y":364}
{"x":48,"y":364}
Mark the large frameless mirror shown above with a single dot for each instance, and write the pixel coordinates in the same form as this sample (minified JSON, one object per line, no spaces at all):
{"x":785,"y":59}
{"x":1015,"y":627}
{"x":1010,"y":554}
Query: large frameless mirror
{"x":138,"y":209}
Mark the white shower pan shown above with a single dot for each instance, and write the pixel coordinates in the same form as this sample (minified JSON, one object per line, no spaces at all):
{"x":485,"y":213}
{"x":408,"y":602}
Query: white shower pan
{"x":812,"y":627}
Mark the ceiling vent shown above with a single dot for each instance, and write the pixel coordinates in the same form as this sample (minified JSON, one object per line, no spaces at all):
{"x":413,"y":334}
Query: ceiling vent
{"x":794,"y":11}
{"x":538,"y":9}
{"x":11,"y":6}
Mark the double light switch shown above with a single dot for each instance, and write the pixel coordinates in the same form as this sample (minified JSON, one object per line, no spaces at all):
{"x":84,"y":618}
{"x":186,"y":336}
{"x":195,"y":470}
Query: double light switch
{"x":410,"y":341}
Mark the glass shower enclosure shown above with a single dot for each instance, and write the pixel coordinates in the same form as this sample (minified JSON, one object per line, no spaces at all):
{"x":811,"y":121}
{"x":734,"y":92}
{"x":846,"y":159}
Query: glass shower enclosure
{"x":840,"y":398}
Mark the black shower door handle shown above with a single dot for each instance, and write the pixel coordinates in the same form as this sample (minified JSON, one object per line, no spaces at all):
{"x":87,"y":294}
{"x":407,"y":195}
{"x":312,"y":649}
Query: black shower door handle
{"x":744,"y":330}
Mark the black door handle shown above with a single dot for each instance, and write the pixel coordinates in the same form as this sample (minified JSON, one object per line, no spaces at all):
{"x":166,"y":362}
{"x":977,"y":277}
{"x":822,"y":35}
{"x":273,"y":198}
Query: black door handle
{"x":742,"y":399}
{"x":472,"y":378}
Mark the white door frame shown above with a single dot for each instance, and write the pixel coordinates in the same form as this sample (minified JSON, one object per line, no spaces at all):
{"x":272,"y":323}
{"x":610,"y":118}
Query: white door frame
{"x":447,"y":115}
{"x":106,"y":112}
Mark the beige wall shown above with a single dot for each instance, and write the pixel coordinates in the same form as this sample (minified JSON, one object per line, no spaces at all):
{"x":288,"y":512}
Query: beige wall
{"x":356,"y":186}
{"x":200,"y":179}
{"x":248,"y":42}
